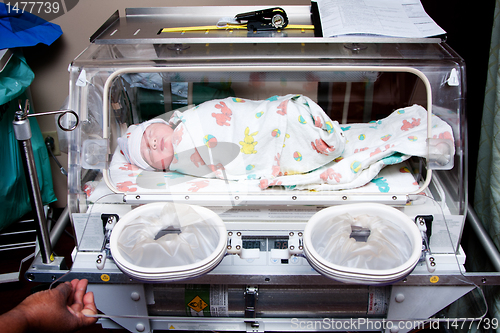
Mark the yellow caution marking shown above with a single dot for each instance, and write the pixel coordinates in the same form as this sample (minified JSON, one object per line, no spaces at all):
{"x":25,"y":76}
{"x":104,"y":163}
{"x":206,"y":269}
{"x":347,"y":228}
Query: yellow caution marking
{"x":207,"y":28}
{"x":197,"y":304}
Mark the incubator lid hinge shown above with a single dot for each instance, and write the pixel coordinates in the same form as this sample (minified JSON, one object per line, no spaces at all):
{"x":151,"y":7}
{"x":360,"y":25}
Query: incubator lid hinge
{"x":108,"y":223}
{"x":424,"y":224}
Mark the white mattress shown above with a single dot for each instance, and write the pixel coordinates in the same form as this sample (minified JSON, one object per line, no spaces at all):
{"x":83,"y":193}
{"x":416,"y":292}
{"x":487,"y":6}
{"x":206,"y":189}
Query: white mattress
{"x":392,"y":179}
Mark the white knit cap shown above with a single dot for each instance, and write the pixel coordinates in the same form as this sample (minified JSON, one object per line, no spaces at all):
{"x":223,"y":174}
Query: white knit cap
{"x":130,"y":143}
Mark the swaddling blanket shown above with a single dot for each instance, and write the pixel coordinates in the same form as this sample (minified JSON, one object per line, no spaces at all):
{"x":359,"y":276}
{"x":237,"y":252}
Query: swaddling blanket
{"x":289,"y":141}
{"x":369,"y":148}
{"x":240,"y":139}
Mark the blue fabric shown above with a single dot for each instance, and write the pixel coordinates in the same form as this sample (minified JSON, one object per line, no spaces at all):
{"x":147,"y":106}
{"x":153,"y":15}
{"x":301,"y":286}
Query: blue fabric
{"x":25,"y":29}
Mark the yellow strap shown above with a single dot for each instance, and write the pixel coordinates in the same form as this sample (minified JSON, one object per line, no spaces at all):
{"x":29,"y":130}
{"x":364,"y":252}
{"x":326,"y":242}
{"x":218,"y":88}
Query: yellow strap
{"x":229,"y":27}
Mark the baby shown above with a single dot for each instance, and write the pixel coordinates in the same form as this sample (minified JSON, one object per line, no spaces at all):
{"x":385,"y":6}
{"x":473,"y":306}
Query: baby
{"x":149,"y":145}
{"x":277,"y":136}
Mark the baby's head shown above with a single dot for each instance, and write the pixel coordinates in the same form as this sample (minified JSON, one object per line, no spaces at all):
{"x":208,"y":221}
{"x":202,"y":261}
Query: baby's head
{"x":149,"y":145}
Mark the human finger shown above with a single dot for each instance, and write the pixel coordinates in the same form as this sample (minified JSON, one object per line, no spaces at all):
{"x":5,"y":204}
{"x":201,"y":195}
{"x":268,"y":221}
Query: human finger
{"x":79,"y":289}
{"x":63,"y":291}
{"x":89,"y":308}
{"x":71,"y":297}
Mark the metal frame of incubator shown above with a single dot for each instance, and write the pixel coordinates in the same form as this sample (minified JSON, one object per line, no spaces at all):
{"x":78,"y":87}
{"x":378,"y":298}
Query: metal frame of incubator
{"x":124,"y":301}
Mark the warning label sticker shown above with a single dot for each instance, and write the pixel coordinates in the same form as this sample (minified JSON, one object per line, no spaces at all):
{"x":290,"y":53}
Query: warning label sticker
{"x":206,"y":300}
{"x":197,"y":304}
{"x":219,"y":301}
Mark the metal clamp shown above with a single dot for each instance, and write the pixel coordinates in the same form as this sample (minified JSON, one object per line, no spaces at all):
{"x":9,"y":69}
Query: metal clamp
{"x":251,"y":297}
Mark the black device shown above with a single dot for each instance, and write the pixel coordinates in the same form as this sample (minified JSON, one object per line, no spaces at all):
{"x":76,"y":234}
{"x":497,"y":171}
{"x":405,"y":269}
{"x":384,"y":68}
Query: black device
{"x":266,"y":19}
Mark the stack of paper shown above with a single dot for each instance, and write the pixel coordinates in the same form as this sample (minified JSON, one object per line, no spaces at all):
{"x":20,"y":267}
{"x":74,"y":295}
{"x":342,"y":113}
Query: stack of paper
{"x":393,"y":18}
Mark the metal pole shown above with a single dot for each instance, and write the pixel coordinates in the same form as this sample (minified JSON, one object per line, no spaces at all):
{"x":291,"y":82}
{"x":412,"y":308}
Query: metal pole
{"x":58,"y":228}
{"x":22,"y":131}
{"x":484,"y":238}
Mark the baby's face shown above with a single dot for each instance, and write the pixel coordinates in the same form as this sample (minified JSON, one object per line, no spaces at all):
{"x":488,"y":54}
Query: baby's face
{"x":156,"y":146}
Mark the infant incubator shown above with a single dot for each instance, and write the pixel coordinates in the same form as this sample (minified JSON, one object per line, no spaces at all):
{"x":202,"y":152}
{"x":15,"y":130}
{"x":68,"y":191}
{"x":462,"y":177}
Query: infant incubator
{"x":160,"y":248}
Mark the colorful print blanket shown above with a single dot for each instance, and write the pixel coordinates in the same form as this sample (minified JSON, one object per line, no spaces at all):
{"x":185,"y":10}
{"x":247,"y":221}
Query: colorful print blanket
{"x":241,"y":139}
{"x":368,"y":148}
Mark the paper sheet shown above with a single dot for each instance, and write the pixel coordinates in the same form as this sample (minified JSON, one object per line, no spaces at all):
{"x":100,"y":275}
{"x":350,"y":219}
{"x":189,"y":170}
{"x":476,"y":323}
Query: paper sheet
{"x":393,"y":18}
